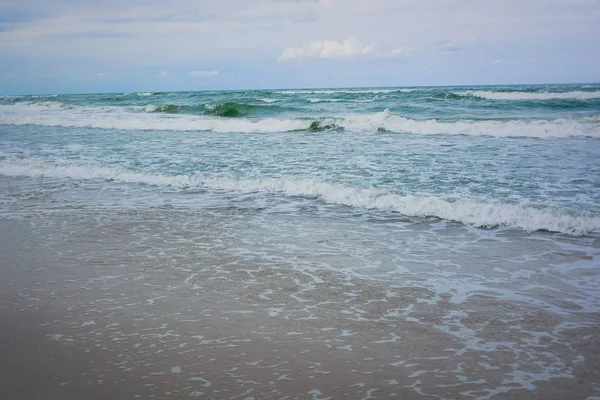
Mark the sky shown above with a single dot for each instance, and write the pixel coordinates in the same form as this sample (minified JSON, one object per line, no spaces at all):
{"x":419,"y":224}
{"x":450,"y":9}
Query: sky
{"x":90,"y":46}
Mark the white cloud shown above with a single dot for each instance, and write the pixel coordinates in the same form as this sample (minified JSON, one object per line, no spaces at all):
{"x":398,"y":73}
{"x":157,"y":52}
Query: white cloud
{"x":398,"y":52}
{"x":205,"y":73}
{"x":124,"y":38}
{"x":350,"y":47}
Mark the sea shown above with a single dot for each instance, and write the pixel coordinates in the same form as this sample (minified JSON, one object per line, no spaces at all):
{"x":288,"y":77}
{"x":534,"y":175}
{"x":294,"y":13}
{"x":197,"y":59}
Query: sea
{"x":467,"y":214}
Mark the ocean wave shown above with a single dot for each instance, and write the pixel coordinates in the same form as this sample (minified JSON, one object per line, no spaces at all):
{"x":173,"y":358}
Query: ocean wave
{"x":226,"y":109}
{"x":57,"y":105}
{"x":319,"y":100}
{"x":386,"y":121}
{"x":575,"y":95}
{"x":229,"y":109}
{"x":268,"y":100}
{"x":347,"y":91}
{"x":471,"y":212}
{"x":130,"y":118}
{"x":162,"y":108}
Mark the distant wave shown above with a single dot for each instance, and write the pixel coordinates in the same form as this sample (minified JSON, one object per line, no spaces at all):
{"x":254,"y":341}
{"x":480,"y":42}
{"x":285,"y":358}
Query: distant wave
{"x":319,"y":100}
{"x":577,"y":95}
{"x":480,"y":214}
{"x":114,"y":117}
{"x":348,"y":91}
{"x":227,"y":109}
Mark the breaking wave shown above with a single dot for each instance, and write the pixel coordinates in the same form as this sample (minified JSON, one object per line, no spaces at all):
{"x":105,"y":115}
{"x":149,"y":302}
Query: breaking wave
{"x":476,"y":213}
{"x":162,"y":108}
{"x":347,"y":91}
{"x":115,"y":117}
{"x":228,"y":109}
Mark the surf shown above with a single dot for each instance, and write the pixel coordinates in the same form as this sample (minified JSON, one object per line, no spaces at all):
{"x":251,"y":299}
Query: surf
{"x":230,"y":121}
{"x":467,"y":211}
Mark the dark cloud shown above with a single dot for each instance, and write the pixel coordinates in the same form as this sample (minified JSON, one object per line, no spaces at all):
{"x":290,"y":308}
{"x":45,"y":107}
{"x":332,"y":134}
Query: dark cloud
{"x":447,"y":47}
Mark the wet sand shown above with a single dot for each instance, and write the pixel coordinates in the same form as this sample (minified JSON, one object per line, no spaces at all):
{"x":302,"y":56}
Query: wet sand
{"x":90,"y":311}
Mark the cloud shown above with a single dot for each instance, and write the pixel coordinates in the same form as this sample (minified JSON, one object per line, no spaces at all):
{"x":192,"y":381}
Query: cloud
{"x":398,"y":52}
{"x":132,"y":41}
{"x":162,"y":74}
{"x":205,"y":73}
{"x":100,"y":74}
{"x":447,"y":46}
{"x":349,"y":48}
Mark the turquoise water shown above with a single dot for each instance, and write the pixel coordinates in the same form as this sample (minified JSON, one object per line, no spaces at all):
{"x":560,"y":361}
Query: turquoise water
{"x":484,"y":201}
{"x":525,"y":157}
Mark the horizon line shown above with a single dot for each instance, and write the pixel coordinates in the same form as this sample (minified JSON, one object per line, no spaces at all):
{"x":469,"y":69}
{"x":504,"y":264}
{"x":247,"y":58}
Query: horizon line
{"x":302,"y":88}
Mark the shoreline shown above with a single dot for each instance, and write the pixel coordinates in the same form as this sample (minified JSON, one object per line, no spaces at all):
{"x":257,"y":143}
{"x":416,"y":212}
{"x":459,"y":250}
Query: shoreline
{"x":196,"y":325}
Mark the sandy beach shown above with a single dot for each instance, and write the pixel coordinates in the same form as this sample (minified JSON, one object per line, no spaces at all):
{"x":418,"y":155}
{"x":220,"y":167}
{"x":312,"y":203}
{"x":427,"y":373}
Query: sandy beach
{"x":97,"y":315}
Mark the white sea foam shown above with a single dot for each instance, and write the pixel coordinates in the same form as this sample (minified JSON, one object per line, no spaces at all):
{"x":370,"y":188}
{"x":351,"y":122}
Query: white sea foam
{"x":476,"y":213}
{"x":267,"y":100}
{"x":47,"y":105}
{"x":317,"y":100}
{"x":130,"y":118}
{"x":114,"y":117}
{"x":578,"y":95}
{"x":533,"y":128}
